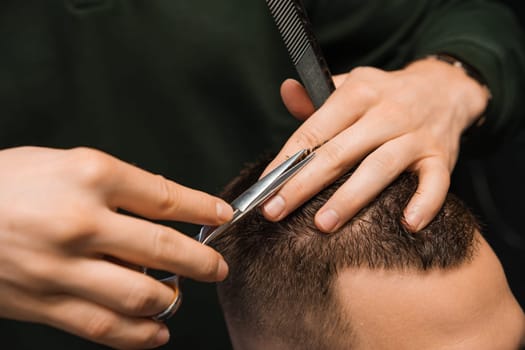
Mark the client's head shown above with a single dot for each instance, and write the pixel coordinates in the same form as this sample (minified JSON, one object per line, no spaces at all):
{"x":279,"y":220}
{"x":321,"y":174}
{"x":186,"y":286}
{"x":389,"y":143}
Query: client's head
{"x":371,"y":285}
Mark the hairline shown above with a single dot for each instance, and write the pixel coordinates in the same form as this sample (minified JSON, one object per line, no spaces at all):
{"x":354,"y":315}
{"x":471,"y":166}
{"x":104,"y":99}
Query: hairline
{"x":287,"y":232}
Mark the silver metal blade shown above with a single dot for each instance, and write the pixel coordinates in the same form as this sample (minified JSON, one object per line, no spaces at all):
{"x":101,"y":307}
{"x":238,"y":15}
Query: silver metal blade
{"x":258,"y":193}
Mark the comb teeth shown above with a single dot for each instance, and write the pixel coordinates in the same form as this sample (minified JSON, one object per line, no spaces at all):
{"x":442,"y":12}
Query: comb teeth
{"x":287,"y":16}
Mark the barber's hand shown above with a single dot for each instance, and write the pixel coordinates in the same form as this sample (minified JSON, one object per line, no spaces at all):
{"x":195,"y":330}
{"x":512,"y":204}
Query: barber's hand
{"x":411,"y":119}
{"x":61,"y":235}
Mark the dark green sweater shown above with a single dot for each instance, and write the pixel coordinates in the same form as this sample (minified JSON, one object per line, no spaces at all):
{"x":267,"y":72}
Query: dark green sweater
{"x":190,"y":89}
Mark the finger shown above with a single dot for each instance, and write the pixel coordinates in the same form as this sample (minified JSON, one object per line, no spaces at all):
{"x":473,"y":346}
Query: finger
{"x":375,"y":173}
{"x":434,"y":182}
{"x":125,"y":291}
{"x":339,"y":112}
{"x":332,"y":160}
{"x":101,"y":325}
{"x":156,"y":246}
{"x":296,"y":99}
{"x":155,"y":197}
{"x":18,"y":302}
{"x":339,"y":79}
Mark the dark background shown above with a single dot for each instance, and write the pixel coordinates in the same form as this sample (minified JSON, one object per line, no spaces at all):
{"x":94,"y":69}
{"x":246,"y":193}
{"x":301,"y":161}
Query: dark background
{"x":494,"y":187}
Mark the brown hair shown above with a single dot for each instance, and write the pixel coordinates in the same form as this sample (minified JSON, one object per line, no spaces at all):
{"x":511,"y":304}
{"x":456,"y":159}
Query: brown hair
{"x":282,"y":274}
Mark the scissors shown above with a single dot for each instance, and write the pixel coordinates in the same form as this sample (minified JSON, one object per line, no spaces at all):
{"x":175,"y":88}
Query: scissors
{"x":247,"y":201}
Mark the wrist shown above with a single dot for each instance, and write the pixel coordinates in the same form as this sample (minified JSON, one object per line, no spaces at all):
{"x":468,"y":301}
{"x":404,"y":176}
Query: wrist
{"x":466,"y":89}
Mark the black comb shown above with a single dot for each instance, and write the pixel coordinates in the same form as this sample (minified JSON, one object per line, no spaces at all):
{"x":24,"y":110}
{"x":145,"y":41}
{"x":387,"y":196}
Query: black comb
{"x":295,"y":28}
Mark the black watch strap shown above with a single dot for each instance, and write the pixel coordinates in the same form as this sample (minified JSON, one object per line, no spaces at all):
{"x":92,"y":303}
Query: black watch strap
{"x":471,"y":72}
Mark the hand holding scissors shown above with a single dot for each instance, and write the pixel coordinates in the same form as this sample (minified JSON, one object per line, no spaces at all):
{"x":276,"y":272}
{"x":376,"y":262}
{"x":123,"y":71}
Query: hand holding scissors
{"x":247,"y":201}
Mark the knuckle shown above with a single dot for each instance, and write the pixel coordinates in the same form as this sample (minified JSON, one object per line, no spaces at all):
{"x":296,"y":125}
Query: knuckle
{"x":168,"y":195}
{"x":162,"y":243}
{"x":42,"y":272}
{"x":336,"y":154}
{"x":140,"y":299}
{"x":93,"y":166}
{"x":385,"y":162}
{"x":299,"y":189}
{"x":310,"y":137}
{"x":209,"y":265}
{"x":367,"y":73}
{"x":61,"y":224}
{"x":304,"y":191}
{"x":365,"y":92}
{"x":362,"y":71}
{"x":74,"y":228}
{"x":100,"y":326}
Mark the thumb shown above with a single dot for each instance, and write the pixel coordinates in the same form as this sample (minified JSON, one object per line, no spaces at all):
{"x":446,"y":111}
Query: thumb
{"x":296,"y":99}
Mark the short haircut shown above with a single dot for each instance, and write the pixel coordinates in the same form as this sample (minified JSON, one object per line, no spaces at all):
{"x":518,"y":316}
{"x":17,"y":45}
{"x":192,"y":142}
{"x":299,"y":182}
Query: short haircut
{"x":282,"y":274}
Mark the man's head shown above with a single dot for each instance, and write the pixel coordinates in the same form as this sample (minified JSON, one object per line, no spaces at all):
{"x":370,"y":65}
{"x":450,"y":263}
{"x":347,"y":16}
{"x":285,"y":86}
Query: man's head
{"x":371,"y":285}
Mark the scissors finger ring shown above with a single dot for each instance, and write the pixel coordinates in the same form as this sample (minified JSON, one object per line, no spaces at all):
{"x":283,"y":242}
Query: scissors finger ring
{"x":172,"y":281}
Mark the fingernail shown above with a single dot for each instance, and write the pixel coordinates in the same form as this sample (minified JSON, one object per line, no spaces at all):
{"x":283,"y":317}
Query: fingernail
{"x":328,"y":220}
{"x":162,"y":336}
{"x":274,"y":207}
{"x":224,"y":212}
{"x":223,"y":270}
{"x":413,"y":220}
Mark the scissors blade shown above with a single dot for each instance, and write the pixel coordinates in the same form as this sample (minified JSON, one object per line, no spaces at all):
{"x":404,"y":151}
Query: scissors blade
{"x":271,"y":182}
{"x":258,"y":193}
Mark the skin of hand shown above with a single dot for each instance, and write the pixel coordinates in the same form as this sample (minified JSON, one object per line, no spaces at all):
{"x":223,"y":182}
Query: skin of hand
{"x":389,"y":121}
{"x":61,"y":235}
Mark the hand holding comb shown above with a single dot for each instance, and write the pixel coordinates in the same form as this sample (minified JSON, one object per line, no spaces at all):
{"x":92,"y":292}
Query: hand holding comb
{"x":295,"y":28}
